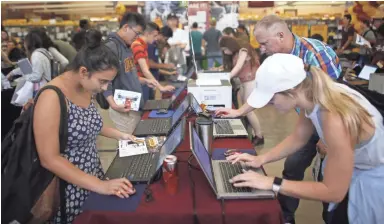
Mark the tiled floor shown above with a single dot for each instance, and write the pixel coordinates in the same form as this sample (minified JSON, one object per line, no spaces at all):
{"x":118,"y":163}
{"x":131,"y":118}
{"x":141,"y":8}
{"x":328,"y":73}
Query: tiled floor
{"x":275,"y":127}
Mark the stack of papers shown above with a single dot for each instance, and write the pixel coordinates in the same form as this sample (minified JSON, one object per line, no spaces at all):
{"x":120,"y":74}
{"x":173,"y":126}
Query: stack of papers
{"x":131,"y":148}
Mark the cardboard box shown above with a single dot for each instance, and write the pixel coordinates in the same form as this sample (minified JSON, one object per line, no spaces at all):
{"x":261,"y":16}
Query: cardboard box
{"x":376,"y":82}
{"x":212,"y":95}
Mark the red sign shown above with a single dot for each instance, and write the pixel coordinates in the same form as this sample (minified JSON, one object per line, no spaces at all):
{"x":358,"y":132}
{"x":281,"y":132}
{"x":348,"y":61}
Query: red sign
{"x":260,"y":4}
{"x":195,"y":7}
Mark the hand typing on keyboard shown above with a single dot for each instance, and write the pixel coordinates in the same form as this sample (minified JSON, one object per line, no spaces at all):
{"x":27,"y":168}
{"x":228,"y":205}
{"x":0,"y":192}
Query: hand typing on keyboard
{"x":227,"y":113}
{"x":249,"y":160}
{"x":253,"y":180}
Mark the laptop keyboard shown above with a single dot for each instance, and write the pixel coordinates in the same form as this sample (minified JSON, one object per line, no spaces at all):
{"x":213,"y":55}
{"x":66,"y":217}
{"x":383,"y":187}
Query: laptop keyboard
{"x":228,"y":171}
{"x":138,"y":167}
{"x":159,"y":125}
{"x":223,"y":127}
{"x":162,"y":104}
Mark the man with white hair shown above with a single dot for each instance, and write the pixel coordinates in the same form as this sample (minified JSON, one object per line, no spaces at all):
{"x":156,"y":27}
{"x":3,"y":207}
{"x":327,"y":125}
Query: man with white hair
{"x":274,"y":36}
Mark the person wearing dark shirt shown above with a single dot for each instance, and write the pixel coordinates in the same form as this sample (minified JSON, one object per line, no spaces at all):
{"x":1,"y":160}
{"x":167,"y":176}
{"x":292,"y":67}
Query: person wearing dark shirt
{"x":131,"y":27}
{"x":212,"y":37}
{"x":14,"y":53}
{"x":347,"y":35}
{"x":197,"y":38}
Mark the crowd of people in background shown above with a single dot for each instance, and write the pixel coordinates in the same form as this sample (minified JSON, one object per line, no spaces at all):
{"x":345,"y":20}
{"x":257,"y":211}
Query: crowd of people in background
{"x":141,"y":54}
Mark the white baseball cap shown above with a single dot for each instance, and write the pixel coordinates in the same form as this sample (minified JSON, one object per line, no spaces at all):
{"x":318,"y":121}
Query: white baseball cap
{"x":279,"y":72}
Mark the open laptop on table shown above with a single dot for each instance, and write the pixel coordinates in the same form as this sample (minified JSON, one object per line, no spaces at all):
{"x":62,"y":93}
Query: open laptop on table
{"x":141,"y":168}
{"x":366,"y":72}
{"x":164,"y":103}
{"x":222,"y":127}
{"x":161,"y":126}
{"x":219,"y":172}
{"x":188,"y":75}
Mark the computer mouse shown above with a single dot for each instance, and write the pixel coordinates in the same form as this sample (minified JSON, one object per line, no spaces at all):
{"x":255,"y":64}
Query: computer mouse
{"x":162,"y":111}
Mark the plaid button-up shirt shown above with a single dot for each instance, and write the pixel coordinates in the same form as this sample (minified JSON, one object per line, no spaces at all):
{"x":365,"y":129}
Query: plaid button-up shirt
{"x":317,"y":53}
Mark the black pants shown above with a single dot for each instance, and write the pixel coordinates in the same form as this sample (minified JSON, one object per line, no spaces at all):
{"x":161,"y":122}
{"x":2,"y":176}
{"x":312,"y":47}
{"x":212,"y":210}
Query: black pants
{"x":294,"y":168}
{"x":340,"y":214}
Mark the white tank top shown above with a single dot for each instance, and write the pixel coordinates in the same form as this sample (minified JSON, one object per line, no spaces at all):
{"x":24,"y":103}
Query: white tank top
{"x":368,"y":154}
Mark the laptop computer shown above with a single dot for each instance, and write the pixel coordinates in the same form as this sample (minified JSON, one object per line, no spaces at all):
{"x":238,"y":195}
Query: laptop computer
{"x":219,"y":172}
{"x":161,"y":126}
{"x":366,"y":72}
{"x":141,"y":168}
{"x":164,"y":103}
{"x":187,"y":75}
{"x":223,"y":127}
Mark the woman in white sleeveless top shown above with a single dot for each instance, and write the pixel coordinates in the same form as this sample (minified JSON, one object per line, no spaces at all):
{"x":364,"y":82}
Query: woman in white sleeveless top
{"x":350,"y":127}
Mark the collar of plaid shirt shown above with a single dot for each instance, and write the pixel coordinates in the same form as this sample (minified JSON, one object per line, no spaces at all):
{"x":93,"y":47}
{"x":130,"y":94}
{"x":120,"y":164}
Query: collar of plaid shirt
{"x":296,"y":45}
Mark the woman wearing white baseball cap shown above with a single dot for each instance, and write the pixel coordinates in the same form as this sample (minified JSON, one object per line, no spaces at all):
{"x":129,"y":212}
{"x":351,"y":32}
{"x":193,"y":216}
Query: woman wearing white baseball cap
{"x":346,"y":122}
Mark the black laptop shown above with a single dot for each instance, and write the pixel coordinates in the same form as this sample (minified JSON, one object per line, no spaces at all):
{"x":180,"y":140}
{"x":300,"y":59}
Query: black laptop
{"x":141,"y":168}
{"x":161,"y":126}
{"x":164,"y":103}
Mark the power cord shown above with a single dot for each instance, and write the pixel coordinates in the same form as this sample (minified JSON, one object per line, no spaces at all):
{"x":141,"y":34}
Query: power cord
{"x":148,"y":193}
{"x":192,"y":182}
{"x":223,"y":211}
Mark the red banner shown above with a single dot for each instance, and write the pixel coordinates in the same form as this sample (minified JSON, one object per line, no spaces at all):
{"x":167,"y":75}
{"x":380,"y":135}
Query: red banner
{"x":199,"y":12}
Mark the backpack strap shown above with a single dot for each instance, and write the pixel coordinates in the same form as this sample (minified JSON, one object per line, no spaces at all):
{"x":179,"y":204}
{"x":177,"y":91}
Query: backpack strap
{"x":63,"y":137}
{"x":50,"y":57}
{"x":114,"y":40}
{"x":63,"y":128}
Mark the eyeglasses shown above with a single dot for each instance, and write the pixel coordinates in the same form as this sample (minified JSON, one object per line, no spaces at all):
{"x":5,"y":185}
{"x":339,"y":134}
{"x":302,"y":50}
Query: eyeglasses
{"x":136,"y":32}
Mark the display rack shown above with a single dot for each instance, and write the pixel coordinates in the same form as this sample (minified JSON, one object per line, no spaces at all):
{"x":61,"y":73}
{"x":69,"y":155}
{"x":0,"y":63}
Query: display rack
{"x":332,"y":24}
{"x":60,"y":31}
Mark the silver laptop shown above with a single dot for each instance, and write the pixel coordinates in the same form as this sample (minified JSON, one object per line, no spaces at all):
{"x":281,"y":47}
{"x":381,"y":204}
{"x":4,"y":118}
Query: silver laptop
{"x":219,"y":172}
{"x":365,"y":73}
{"x":222,"y":127}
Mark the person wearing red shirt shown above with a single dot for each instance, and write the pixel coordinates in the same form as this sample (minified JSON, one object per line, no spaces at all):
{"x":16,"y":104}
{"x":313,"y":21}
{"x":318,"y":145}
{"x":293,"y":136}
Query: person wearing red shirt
{"x":140,"y":53}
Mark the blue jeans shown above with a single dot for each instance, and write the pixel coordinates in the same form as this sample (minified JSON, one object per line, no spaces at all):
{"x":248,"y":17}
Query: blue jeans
{"x":294,"y":168}
{"x":212,"y":57}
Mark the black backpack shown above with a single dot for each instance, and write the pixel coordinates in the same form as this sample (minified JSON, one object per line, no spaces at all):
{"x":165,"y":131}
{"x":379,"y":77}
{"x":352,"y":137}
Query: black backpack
{"x":55,"y":65}
{"x":23,"y":179}
{"x":100,"y":98}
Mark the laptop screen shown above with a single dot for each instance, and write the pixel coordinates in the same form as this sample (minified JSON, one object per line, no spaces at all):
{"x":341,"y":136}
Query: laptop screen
{"x":177,"y":92}
{"x":173,"y":140}
{"x":202,"y":156}
{"x":195,"y":105}
{"x":180,"y":111}
{"x":367,"y":71}
{"x":190,"y":72}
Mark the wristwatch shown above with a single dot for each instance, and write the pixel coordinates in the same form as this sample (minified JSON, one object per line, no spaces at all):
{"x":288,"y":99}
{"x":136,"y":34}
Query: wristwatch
{"x":276,"y":184}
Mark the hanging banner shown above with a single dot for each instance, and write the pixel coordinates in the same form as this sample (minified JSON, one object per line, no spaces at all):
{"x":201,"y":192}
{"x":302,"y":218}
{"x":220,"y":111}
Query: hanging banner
{"x":300,"y":30}
{"x":199,"y":12}
{"x":158,"y":11}
{"x":226,"y":14}
{"x":320,"y":29}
